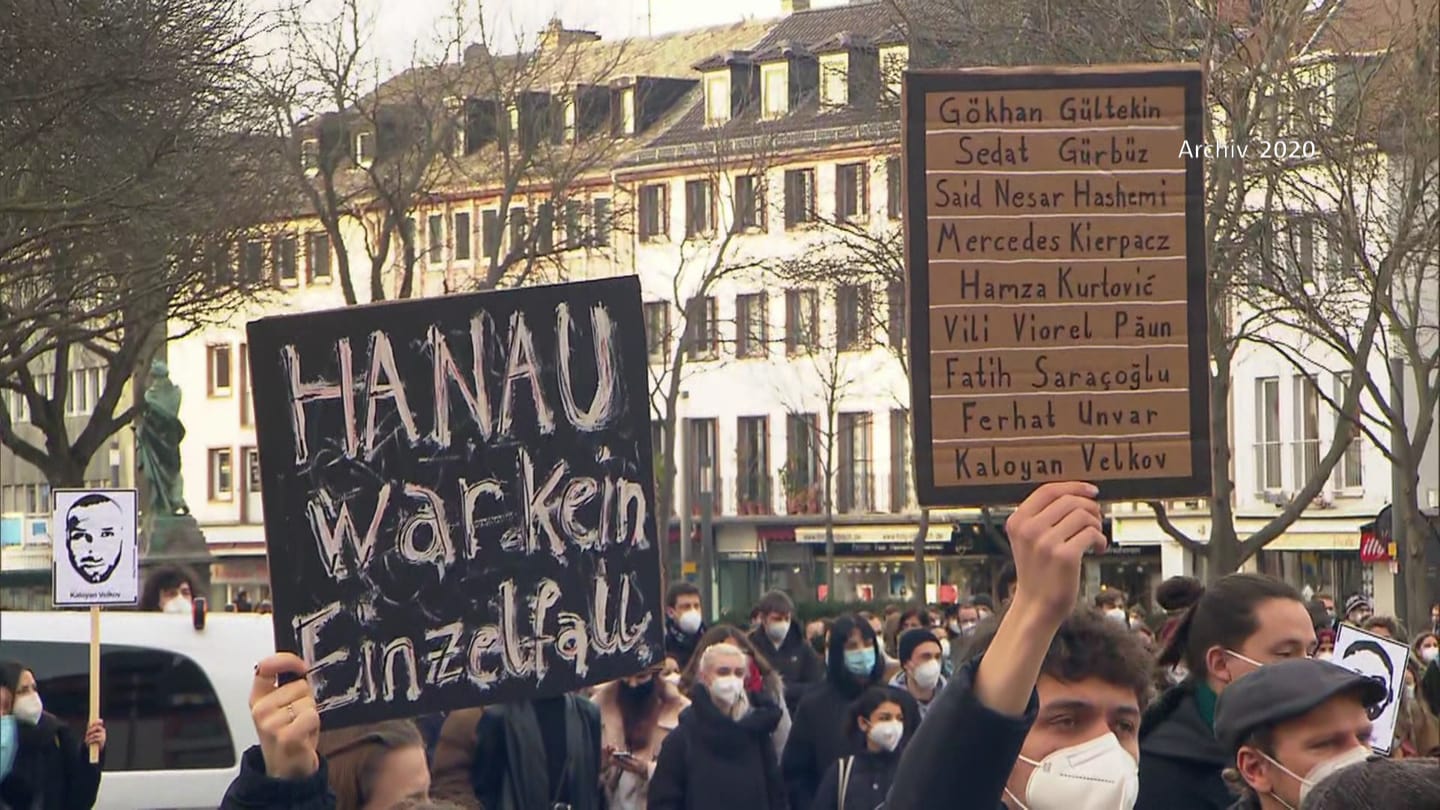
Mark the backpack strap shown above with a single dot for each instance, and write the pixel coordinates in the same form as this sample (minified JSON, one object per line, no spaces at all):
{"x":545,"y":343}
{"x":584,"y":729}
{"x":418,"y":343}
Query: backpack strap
{"x":846,"y":765}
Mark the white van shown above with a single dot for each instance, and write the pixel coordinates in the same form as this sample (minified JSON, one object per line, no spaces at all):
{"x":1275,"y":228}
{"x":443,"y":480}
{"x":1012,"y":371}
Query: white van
{"x":175,"y":700}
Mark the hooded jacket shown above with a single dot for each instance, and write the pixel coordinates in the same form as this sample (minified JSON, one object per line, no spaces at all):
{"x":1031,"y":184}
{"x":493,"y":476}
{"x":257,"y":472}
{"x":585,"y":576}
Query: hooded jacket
{"x":1180,"y":760}
{"x":254,"y":790}
{"x":713,"y":761}
{"x":52,"y":769}
{"x":871,"y":773}
{"x":820,"y":734}
{"x":794,"y":659}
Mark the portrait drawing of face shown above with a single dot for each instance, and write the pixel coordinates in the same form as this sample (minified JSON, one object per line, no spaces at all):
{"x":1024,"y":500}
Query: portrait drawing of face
{"x":94,"y":537}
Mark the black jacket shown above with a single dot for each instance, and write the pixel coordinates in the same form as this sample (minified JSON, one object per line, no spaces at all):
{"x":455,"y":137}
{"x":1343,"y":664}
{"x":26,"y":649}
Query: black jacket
{"x":794,"y":659}
{"x":871,"y":775}
{"x":679,"y":645}
{"x":52,"y":769}
{"x":1180,"y":760}
{"x":530,"y":754}
{"x":711,"y":761}
{"x":820,"y":733}
{"x":253,"y":790}
{"x":962,"y":753}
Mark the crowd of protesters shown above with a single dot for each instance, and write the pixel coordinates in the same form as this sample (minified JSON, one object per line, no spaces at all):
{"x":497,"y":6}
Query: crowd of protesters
{"x":1020,"y":700}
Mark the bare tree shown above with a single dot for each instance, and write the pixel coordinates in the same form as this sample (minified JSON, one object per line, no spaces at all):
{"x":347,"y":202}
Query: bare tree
{"x":119,"y":129}
{"x":1362,"y":240}
{"x":529,"y":121}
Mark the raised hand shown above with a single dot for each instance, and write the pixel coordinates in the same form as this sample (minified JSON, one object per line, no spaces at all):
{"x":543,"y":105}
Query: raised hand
{"x":285,"y":718}
{"x":1049,"y":535}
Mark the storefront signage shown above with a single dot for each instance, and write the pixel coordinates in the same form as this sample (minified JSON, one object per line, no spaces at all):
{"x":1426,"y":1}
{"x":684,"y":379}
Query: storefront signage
{"x":1054,"y":230}
{"x":937,"y":535}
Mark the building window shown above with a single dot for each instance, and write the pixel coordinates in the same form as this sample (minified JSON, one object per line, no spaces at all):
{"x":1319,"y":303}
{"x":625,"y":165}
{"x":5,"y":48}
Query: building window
{"x":435,"y":239}
{"x":752,"y":456}
{"x":799,"y":197}
{"x":365,"y":148}
{"x":699,"y":208}
{"x":800,"y":477}
{"x":835,"y":80}
{"x":899,"y":461}
{"x":627,"y":111}
{"x":286,"y":252}
{"x":893,"y":62}
{"x":751,"y":334}
{"x":317,"y":257}
{"x":84,"y":393}
{"x":749,"y":203}
{"x":894,"y":201}
{"x":218,"y":368}
{"x":310,"y":155}
{"x":802,"y":321}
{"x":851,"y":182}
{"x":252,"y":470}
{"x":775,"y":86}
{"x":702,"y":468}
{"x":222,"y":483}
{"x":545,"y":228}
{"x":1307,"y":426}
{"x":1267,"y":433}
{"x":702,"y":329}
{"x":490,"y":237}
{"x":460,"y":234}
{"x":717,"y":99}
{"x":895,"y":315}
{"x":852,"y":318}
{"x":574,"y":224}
{"x":17,"y":405}
{"x":657,"y":330}
{"x":654,"y":212}
{"x":855,"y":487}
{"x":518,"y":235}
{"x":254,"y":267}
{"x":244,"y":385}
{"x":600,"y":222}
{"x":1349,"y":473}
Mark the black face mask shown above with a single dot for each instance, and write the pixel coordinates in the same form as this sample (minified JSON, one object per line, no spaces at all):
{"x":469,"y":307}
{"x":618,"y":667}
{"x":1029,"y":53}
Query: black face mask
{"x":638,"y":692}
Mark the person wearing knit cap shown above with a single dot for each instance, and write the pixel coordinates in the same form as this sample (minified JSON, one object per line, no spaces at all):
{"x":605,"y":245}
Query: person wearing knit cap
{"x":1358,"y":609}
{"x":920,"y":666}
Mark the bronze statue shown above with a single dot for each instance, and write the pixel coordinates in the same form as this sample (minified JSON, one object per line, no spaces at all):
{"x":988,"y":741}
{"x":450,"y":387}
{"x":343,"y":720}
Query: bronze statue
{"x":158,"y":444}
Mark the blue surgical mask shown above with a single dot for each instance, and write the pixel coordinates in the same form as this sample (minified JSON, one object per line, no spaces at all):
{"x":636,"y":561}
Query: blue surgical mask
{"x":9,"y":744}
{"x":860,"y":662}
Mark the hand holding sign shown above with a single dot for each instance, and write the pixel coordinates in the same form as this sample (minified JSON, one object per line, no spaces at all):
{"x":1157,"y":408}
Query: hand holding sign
{"x":285,"y":718}
{"x":1049,"y":534}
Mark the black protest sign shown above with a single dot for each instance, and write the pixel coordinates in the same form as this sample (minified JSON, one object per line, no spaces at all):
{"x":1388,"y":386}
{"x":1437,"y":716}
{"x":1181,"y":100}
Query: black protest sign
{"x":457,"y":496}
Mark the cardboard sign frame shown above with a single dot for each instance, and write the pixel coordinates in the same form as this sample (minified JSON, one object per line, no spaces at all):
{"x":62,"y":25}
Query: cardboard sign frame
{"x":917,"y":85}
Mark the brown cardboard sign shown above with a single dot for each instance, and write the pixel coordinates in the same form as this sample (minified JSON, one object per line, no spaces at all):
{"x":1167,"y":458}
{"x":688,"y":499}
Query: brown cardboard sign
{"x":1055,"y":241}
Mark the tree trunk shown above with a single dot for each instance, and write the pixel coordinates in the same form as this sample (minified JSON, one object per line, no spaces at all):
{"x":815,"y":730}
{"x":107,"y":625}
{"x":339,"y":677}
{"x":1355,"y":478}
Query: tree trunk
{"x":1412,"y":532}
{"x":920,"y":537}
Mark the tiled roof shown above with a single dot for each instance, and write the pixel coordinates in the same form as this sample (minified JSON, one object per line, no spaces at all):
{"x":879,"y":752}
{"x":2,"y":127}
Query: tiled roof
{"x":876,"y":21}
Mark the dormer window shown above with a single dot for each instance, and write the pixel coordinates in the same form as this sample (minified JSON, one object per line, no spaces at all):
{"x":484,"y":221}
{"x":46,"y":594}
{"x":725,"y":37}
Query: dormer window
{"x":717,"y":99}
{"x":570,"y":116}
{"x":835,"y":80}
{"x":365,"y":148}
{"x":310,"y":156}
{"x":775,"y":87}
{"x":627,"y":110}
{"x":893,"y":61}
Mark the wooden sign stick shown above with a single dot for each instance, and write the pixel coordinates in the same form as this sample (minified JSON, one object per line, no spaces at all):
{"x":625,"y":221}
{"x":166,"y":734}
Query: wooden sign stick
{"x":94,"y":676}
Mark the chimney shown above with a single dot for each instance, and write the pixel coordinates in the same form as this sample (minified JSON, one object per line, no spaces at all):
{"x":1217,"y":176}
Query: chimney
{"x":556,"y":35}
{"x":792,"y":6}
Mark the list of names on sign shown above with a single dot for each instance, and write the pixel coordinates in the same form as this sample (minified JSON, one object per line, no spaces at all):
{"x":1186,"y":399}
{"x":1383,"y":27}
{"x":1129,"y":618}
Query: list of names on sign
{"x":1057,"y":281}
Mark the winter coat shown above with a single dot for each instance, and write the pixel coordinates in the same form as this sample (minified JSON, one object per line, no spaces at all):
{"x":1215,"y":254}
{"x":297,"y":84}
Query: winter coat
{"x":963,"y":752}
{"x":1180,"y":760}
{"x":821,"y":733}
{"x":680,"y":645}
{"x":901,"y":681}
{"x":517,"y":767}
{"x":871,"y":774}
{"x":794,"y":659}
{"x":455,"y":757}
{"x":623,"y":789}
{"x":52,"y":769}
{"x":712,"y":762}
{"x":254,"y":790}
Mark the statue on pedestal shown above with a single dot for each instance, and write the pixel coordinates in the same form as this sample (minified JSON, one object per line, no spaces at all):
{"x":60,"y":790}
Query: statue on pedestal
{"x":158,"y":445}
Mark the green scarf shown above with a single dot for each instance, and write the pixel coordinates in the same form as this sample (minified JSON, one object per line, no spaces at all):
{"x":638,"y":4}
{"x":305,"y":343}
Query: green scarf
{"x":1205,"y":699}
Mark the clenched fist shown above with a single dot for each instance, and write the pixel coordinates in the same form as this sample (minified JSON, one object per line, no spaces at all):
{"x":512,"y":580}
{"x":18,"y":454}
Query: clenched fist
{"x":285,"y":718}
{"x":1049,"y":535}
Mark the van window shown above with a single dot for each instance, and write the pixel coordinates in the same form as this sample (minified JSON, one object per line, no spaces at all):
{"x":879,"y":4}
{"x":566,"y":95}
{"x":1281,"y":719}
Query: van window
{"x":160,"y":711}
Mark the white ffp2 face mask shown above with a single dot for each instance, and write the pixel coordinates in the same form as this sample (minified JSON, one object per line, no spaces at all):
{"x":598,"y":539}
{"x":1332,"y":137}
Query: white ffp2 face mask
{"x":1317,"y":774}
{"x":927,"y":675}
{"x":1094,"y":775}
{"x":28,"y":708}
{"x":887,"y":734}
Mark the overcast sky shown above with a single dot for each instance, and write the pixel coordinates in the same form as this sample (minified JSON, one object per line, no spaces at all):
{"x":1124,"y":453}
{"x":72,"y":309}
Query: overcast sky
{"x":401,"y":23}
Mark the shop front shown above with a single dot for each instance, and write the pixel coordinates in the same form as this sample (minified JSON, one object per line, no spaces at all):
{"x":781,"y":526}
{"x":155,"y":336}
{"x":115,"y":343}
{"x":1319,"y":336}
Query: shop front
{"x":1318,"y":562}
{"x":877,"y":563}
{"x":236,"y":570}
